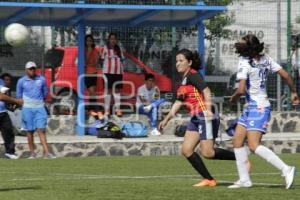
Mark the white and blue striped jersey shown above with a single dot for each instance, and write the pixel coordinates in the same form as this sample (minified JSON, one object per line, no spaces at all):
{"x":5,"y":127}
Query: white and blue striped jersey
{"x":256,"y":73}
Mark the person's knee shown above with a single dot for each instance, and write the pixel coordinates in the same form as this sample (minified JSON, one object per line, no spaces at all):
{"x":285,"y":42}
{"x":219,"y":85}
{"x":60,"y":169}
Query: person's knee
{"x":208,"y":153}
{"x":187,"y":151}
{"x":252,"y":147}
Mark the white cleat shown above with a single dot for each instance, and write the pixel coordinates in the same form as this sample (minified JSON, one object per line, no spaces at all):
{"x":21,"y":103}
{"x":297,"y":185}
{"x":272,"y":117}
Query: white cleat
{"x":11,"y":156}
{"x":289,"y":177}
{"x":155,"y":132}
{"x":240,"y":184}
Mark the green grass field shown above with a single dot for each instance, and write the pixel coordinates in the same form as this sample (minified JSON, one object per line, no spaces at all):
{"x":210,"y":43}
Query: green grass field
{"x":136,"y":178}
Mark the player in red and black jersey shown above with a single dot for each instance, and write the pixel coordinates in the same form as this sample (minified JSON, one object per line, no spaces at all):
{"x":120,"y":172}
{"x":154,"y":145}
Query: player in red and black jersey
{"x":203,"y":127}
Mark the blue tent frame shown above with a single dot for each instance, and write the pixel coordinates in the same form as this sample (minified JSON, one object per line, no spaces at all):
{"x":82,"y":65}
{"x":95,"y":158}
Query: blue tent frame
{"x":82,"y":14}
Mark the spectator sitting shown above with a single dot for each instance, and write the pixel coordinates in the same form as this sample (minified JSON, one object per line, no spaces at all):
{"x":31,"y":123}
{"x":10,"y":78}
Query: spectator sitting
{"x":148,"y":101}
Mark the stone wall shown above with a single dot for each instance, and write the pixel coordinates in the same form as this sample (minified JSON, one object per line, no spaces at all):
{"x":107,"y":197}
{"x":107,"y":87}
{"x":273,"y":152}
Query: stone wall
{"x":279,"y":122}
{"x":75,"y":146}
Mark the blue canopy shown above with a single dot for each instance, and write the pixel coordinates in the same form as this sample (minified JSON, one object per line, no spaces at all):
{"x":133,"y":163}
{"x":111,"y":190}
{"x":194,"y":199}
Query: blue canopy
{"x":61,"y":14}
{"x":106,"y":15}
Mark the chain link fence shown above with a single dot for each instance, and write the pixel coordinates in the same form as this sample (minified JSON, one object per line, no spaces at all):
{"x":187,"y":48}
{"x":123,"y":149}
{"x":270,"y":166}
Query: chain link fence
{"x":156,"y":46}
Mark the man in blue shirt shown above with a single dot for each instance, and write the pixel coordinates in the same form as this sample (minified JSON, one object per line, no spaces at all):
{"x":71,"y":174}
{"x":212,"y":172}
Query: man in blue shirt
{"x":32,"y":88}
{"x":6,"y":127}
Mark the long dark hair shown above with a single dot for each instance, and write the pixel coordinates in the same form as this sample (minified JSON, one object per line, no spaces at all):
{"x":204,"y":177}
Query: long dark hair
{"x":191,"y":56}
{"x":251,"y":48}
{"x":91,"y":37}
{"x":116,"y":47}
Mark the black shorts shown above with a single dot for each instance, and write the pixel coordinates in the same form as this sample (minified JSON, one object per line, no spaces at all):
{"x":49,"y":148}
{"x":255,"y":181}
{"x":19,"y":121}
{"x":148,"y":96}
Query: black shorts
{"x":112,"y":78}
{"x":90,"y":81}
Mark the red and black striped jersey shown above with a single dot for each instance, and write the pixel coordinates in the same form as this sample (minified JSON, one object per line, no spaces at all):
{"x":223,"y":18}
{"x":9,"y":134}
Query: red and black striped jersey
{"x":190,"y":92}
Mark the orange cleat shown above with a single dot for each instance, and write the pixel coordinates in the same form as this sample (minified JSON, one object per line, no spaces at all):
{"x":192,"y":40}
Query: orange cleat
{"x":206,"y":183}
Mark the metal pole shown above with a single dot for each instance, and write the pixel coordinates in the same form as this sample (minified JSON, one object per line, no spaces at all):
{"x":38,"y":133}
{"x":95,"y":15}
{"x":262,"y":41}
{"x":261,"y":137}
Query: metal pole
{"x":278,"y":54}
{"x":174,"y":50}
{"x":201,"y":45}
{"x":289,"y":44}
{"x":81,"y":108}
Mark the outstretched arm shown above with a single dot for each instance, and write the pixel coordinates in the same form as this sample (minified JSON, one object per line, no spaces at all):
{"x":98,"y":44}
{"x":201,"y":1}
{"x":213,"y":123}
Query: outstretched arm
{"x":8,"y":99}
{"x":175,"y":107}
{"x":288,"y":80}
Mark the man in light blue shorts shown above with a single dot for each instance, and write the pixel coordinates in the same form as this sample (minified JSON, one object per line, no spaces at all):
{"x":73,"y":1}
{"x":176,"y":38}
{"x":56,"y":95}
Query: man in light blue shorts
{"x":32,"y":88}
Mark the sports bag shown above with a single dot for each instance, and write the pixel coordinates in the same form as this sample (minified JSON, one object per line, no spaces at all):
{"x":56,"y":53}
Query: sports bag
{"x":93,"y":129}
{"x":110,"y":130}
{"x":134,"y":129}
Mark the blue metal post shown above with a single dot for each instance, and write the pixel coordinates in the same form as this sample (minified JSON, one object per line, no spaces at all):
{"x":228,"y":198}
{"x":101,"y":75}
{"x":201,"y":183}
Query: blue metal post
{"x":201,"y":45}
{"x":81,"y":111}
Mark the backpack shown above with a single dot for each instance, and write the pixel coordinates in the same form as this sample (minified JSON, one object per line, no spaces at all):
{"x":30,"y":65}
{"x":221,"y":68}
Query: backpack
{"x":110,"y":130}
{"x":93,"y":129}
{"x":134,"y":129}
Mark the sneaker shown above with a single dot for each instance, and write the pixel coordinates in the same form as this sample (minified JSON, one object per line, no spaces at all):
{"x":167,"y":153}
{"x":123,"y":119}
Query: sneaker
{"x":11,"y":156}
{"x":49,"y":156}
{"x":155,"y":132}
{"x":240,"y":184}
{"x":206,"y":183}
{"x":32,"y":156}
{"x":289,"y":177}
{"x":147,"y":108}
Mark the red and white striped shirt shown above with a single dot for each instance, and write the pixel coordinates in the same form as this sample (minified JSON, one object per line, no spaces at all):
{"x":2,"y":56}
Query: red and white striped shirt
{"x":112,"y":62}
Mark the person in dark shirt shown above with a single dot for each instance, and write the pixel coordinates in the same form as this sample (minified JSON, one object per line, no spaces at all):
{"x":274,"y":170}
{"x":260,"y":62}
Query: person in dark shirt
{"x":6,"y":127}
{"x":203,"y":127}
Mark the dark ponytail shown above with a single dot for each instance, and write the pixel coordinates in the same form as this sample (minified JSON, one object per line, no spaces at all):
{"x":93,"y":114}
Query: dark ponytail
{"x":251,"y":48}
{"x":191,"y":56}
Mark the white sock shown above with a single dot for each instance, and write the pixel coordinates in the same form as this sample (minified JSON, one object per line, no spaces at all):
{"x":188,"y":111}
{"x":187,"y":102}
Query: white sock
{"x":107,"y":103}
{"x":117,"y":98}
{"x":241,"y":156}
{"x":272,"y":158}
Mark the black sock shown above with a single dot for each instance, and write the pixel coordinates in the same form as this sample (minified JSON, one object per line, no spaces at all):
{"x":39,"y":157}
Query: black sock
{"x":199,"y":166}
{"x":223,"y":154}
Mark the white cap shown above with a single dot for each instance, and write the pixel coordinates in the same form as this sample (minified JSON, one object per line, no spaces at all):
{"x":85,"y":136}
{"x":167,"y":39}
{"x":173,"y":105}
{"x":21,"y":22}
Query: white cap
{"x":3,"y":89}
{"x":30,"y":64}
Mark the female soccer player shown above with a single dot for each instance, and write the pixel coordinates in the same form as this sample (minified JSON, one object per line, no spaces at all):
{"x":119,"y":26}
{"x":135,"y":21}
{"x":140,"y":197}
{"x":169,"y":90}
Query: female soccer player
{"x":195,"y":94}
{"x":113,"y":70}
{"x":253,"y":69}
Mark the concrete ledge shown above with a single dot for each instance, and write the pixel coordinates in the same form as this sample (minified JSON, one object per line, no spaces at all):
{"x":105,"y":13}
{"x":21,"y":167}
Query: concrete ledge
{"x":83,"y":146}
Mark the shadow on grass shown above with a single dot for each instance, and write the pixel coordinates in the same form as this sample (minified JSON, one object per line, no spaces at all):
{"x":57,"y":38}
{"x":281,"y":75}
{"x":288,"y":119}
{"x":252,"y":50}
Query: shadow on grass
{"x":20,"y":188}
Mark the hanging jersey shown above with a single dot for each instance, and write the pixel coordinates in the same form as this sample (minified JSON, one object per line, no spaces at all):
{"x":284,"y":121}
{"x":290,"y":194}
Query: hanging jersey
{"x":112,"y":62}
{"x":190,"y":92}
{"x":256,"y":73}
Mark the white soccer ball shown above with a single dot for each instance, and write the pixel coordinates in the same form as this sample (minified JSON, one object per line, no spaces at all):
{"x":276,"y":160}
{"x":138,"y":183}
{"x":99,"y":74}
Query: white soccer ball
{"x":16,"y":34}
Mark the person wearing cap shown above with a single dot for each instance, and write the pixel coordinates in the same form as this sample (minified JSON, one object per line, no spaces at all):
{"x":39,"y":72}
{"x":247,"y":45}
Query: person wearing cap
{"x":32,"y":88}
{"x":6,"y":127}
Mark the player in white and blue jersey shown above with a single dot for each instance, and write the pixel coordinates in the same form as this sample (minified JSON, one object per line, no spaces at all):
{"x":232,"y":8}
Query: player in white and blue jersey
{"x":32,"y":88}
{"x":253,"y":70}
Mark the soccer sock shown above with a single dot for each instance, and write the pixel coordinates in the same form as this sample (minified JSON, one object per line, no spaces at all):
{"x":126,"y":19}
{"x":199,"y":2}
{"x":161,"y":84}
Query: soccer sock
{"x":199,"y":166}
{"x":107,"y":103}
{"x":241,"y":156}
{"x":271,"y":157}
{"x":223,"y":154}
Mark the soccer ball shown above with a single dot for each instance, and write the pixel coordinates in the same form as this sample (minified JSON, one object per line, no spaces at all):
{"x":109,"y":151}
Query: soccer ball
{"x":16,"y":34}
